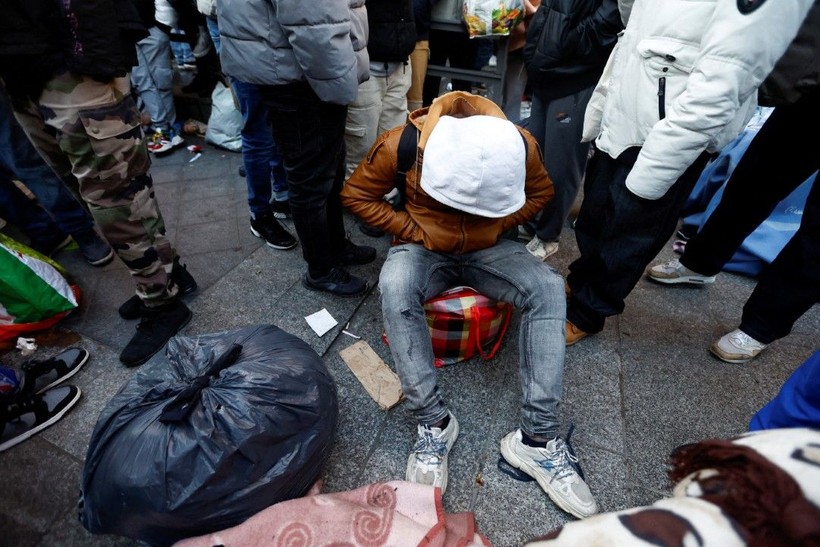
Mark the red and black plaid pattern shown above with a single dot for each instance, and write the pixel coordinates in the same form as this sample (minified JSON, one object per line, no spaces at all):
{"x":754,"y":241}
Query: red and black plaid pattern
{"x":463,"y":323}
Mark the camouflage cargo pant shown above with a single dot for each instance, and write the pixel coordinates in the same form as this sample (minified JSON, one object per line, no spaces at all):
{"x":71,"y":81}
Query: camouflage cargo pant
{"x":92,"y":130}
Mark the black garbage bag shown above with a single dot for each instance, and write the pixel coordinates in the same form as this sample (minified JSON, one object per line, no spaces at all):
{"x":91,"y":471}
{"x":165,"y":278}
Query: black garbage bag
{"x":239,"y":421}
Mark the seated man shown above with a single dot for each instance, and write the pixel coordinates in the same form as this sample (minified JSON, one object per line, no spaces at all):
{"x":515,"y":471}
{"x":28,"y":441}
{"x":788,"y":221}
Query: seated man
{"x":482,"y":177}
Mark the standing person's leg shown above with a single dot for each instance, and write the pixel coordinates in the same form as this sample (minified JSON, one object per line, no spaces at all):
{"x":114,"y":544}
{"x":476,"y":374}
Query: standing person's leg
{"x":257,"y":155}
{"x":153,"y":78}
{"x":394,"y":102}
{"x":515,"y":79}
{"x":439,"y":45}
{"x":310,"y":136}
{"x":44,"y":235}
{"x":565,"y":158}
{"x":629,"y":233}
{"x":411,"y":275}
{"x":508,"y":273}
{"x":362,"y":124}
{"x":103,"y":141}
{"x":790,"y":285}
{"x":418,"y":65}
{"x":778,"y":160}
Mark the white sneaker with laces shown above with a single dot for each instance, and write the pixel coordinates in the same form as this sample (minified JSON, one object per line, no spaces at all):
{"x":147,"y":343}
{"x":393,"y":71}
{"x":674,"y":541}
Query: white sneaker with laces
{"x":553,"y":468}
{"x":427,"y":463}
{"x":674,"y":272}
{"x":737,"y":347}
{"x":541,"y":249}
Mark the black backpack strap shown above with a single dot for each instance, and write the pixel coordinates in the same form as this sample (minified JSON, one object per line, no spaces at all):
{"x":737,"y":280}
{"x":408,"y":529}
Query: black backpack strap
{"x":405,"y":158}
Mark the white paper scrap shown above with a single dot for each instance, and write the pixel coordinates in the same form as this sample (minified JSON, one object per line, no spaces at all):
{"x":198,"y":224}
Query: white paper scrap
{"x":321,"y":321}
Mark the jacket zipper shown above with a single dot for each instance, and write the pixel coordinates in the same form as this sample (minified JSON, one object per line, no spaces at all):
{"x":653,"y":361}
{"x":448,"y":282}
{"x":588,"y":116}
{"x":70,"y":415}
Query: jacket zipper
{"x":662,"y":97}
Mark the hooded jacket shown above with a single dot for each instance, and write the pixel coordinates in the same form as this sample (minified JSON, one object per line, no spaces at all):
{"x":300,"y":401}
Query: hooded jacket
{"x":682,"y":80}
{"x":277,"y":42}
{"x":425,"y":221}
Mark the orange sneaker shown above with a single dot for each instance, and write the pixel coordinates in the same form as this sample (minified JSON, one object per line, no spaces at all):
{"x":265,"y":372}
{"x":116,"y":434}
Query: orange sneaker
{"x":574,"y":334}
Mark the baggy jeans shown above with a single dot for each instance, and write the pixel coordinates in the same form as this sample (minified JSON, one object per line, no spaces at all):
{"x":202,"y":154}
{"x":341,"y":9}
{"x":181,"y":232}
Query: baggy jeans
{"x":412,"y":274}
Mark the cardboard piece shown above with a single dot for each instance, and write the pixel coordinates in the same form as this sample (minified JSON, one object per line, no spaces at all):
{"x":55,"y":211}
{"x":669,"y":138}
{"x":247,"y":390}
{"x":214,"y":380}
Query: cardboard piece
{"x":380,"y":382}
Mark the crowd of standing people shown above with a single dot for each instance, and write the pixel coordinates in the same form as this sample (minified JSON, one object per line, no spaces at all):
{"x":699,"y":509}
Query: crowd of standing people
{"x":328,"y":94}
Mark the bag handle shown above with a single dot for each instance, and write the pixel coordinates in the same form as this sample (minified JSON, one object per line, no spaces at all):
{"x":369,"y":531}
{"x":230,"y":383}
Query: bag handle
{"x":474,"y":312}
{"x":181,"y":405}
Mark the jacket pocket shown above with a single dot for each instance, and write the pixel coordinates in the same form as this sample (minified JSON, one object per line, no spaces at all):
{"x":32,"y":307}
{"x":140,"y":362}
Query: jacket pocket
{"x":111,"y":127}
{"x":667,"y":64}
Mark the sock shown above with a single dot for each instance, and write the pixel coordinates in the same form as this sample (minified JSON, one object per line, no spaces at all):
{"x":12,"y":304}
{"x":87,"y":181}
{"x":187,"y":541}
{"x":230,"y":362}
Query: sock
{"x":443,"y":423}
{"x":529,"y":441}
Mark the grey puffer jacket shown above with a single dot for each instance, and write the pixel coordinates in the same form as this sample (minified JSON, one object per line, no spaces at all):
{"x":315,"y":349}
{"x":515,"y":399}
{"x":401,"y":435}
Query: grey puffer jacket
{"x":276,"y":42}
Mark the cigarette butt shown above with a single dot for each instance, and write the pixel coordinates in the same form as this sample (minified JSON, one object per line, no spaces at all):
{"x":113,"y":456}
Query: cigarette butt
{"x":192,"y":160}
{"x":351,"y":335}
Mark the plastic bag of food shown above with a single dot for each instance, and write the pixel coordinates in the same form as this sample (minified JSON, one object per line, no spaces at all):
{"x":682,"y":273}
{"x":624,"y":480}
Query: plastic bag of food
{"x":492,"y":17}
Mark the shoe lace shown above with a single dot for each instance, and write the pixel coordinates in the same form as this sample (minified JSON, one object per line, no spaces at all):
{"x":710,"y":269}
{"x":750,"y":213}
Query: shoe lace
{"x":560,"y":463}
{"x":743,"y":340}
{"x":430,"y":449}
{"x":339,"y":275}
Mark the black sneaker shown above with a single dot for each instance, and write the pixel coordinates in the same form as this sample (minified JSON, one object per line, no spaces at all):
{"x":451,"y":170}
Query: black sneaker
{"x":52,"y":247}
{"x":96,"y":251}
{"x":269,"y":229}
{"x":42,"y":375}
{"x":281,"y":209}
{"x":357,"y":254}
{"x":338,"y":282}
{"x":23,"y":416}
{"x":370,"y":231}
{"x":155,"y":328}
{"x":133,"y":308}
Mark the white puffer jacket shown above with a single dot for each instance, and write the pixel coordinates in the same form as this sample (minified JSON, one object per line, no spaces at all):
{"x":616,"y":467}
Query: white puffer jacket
{"x":683,"y":79}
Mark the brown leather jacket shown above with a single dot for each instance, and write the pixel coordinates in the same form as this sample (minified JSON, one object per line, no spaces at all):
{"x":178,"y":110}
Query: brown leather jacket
{"x":425,"y":221}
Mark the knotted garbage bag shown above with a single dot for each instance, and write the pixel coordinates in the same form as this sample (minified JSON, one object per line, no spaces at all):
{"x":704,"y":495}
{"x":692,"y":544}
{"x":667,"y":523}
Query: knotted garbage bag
{"x":233,"y":423}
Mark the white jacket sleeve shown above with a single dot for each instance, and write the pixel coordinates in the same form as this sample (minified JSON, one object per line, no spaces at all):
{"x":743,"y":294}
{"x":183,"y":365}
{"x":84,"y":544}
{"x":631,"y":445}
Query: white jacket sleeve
{"x":737,"y":53}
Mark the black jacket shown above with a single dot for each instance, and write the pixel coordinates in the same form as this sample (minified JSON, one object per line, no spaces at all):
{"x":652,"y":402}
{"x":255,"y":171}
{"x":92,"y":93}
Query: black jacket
{"x":392,"y":34}
{"x":569,"y":41}
{"x":797,"y":73}
{"x":40,"y":38}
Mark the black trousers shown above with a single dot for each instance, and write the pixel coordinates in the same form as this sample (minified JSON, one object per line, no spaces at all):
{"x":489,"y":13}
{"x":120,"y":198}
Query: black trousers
{"x":784,"y":153}
{"x":618,"y":233}
{"x":309,"y":134}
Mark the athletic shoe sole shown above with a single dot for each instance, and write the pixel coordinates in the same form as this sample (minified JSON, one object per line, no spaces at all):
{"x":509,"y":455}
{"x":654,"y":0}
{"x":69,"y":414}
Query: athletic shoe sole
{"x":272,"y":245}
{"x":684,"y":279}
{"x":71,"y":373}
{"x":509,"y":454}
{"x":730,"y":358}
{"x":51,"y":421}
{"x":102,"y":261}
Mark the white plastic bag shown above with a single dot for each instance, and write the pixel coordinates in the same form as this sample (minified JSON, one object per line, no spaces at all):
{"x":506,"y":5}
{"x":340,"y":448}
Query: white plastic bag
{"x":492,"y":17}
{"x":225,"y":124}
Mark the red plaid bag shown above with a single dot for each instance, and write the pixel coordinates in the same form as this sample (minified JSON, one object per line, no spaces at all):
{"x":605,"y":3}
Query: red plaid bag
{"x":464,"y":322}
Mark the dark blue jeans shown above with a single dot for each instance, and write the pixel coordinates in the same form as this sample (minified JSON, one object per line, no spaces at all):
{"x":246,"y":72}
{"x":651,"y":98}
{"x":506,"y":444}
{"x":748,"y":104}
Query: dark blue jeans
{"x":19,"y":160}
{"x":309,"y":134}
{"x":618,"y":233}
{"x":778,"y":160}
{"x":261,"y":158}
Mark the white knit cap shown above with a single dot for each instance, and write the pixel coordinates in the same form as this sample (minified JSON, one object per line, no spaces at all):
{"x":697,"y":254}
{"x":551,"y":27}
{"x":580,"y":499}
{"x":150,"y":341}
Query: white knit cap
{"x":475,"y":164}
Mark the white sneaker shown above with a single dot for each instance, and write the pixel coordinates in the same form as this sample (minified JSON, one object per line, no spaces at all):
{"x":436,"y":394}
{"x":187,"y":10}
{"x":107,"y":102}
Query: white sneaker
{"x":736,"y":347}
{"x":675,"y":272}
{"x":541,"y":249}
{"x":427,"y":463}
{"x":553,"y":468}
